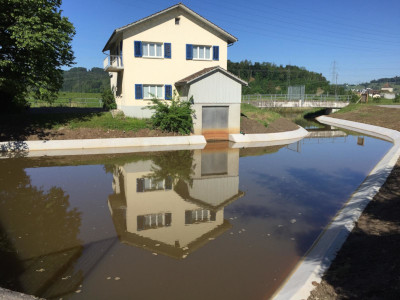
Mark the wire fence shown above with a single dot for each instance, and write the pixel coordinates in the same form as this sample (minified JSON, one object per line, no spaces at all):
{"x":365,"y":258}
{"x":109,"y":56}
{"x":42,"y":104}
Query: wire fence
{"x":68,"y":102}
{"x":295,"y":97}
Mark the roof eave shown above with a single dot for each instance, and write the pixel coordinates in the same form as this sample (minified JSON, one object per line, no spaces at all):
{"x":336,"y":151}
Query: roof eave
{"x":107,"y":46}
{"x":229,"y":38}
{"x":227,"y":73}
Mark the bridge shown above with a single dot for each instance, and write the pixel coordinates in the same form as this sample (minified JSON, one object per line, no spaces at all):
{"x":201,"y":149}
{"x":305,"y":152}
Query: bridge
{"x":287,"y":101}
{"x":325,"y":134}
{"x":298,"y":103}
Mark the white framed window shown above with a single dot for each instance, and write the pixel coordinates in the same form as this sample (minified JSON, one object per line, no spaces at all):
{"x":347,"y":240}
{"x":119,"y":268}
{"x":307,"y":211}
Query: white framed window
{"x":152,"y":49}
{"x":152,"y":91}
{"x":201,"y":52}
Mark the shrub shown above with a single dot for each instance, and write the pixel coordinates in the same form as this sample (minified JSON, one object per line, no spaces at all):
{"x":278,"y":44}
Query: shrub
{"x":107,"y":96}
{"x":354,"y":98}
{"x":172,"y":116}
{"x":376,"y":100}
{"x":397,"y":99}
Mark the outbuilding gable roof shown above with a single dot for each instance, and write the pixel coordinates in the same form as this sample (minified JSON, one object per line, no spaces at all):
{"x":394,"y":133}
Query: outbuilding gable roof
{"x":208,"y":71}
{"x":229,"y":38}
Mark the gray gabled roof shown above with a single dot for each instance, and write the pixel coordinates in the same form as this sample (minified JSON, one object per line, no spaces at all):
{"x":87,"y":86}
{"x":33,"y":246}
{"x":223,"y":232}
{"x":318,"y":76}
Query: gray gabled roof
{"x":208,"y":71}
{"x":230,"y":38}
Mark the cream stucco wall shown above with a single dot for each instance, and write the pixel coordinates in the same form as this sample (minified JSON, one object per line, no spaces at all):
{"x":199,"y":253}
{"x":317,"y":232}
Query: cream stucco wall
{"x":162,"y":29}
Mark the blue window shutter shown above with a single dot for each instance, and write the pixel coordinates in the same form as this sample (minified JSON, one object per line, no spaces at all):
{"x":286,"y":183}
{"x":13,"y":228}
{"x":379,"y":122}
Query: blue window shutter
{"x":167,"y":50}
{"x":168,"y":92}
{"x":138,"y":49}
{"x":138,"y":91}
{"x":215,"y":52}
{"x":189,"y":51}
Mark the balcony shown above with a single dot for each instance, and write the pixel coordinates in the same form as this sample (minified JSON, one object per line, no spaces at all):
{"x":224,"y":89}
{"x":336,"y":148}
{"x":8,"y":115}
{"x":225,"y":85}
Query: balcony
{"x":113,"y":63}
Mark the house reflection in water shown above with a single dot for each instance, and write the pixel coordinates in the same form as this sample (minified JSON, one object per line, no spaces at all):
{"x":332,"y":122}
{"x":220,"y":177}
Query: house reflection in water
{"x":174,"y":216}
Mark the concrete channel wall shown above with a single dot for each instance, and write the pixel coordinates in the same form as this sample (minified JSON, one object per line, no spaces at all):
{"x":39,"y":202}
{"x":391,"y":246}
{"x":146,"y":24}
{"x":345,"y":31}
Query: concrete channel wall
{"x":318,"y":259}
{"x":102,"y":146}
{"x":129,"y":145}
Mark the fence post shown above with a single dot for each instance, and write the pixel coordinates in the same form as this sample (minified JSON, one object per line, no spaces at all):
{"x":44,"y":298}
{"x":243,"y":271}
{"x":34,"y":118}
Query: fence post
{"x":70,"y":102}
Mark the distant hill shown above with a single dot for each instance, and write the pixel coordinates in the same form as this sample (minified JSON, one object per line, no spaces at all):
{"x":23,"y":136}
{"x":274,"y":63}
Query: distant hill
{"x":377,"y":84}
{"x":268,"y":78}
{"x":263,"y":78}
{"x":81,"y":80}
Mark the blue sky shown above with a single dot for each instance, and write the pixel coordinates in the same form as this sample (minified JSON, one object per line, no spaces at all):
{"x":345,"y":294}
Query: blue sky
{"x":361,"y":36}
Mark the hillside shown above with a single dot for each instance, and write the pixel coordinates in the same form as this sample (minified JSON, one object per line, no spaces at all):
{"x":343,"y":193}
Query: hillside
{"x":263,"y":78}
{"x":81,"y":80}
{"x":377,"y":84}
{"x":268,"y":78}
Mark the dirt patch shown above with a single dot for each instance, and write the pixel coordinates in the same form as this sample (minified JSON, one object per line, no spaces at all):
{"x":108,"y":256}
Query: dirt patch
{"x":95,"y":133}
{"x":368,"y":264}
{"x":374,"y":115}
{"x":250,"y":126}
{"x":28,"y":130}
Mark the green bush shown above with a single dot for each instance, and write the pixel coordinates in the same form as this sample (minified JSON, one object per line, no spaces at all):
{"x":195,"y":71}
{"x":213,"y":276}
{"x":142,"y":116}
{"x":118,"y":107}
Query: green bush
{"x":376,"y":100}
{"x":172,"y":116}
{"x":107,"y":96}
{"x":354,"y":98}
{"x":397,"y":99}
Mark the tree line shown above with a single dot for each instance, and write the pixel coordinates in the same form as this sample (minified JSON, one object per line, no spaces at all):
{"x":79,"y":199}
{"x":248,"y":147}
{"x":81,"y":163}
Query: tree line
{"x":82,"y":80}
{"x":263,"y":78}
{"x":268,"y":78}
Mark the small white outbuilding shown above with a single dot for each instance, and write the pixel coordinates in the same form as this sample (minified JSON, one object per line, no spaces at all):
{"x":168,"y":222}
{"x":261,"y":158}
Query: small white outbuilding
{"x":216,"y":95}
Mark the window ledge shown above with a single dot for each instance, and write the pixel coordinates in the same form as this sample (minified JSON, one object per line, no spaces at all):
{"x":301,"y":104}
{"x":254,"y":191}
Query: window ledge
{"x":153,"y":57}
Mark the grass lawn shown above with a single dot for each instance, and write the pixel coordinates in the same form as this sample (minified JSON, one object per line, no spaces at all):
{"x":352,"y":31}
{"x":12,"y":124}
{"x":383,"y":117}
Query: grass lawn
{"x":263,"y":116}
{"x":70,"y":99}
{"x":21,"y":126}
{"x":104,"y":120}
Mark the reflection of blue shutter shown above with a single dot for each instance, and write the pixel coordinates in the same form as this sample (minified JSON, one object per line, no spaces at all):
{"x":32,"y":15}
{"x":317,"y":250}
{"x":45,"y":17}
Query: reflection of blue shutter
{"x":138,"y":49}
{"x":215,"y":52}
{"x":167,"y":50}
{"x":168,"y":92}
{"x":120,"y":51}
{"x":189,"y":51}
{"x":138,"y":91}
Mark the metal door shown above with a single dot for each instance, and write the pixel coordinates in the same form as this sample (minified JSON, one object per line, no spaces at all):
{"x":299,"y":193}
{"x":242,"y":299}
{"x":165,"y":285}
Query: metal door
{"x":215,"y":122}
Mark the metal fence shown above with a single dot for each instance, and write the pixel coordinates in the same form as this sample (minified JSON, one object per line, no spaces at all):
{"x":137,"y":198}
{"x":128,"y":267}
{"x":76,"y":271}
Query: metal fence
{"x":296,"y":92}
{"x":295,"y":97}
{"x":68,"y":102}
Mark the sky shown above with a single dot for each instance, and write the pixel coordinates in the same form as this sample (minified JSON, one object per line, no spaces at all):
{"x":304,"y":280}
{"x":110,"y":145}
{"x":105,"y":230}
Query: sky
{"x":351,"y":41}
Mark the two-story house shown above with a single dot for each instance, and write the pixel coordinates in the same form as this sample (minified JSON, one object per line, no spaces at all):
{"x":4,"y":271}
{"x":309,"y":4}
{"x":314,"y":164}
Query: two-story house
{"x":176,"y":51}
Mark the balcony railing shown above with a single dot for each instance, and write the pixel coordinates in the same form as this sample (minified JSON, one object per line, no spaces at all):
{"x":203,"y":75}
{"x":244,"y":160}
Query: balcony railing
{"x":113,"y":63}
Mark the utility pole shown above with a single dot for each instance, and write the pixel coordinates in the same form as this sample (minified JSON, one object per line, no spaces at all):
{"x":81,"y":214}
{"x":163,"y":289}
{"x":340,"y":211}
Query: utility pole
{"x":334,"y":76}
{"x":336,"y":85}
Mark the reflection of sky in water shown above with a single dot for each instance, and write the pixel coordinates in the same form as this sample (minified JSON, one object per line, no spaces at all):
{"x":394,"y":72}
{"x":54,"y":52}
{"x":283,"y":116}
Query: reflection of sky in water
{"x":306,"y":188}
{"x":289,"y":197}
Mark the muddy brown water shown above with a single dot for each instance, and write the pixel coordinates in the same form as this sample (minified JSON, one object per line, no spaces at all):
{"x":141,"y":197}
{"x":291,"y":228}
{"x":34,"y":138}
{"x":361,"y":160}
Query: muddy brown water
{"x":218,"y":223}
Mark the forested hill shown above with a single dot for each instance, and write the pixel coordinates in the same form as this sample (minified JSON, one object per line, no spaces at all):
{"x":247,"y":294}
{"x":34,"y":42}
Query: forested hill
{"x":268,"y":78}
{"x":263,"y":78}
{"x":392,"y":80}
{"x":81,"y":80}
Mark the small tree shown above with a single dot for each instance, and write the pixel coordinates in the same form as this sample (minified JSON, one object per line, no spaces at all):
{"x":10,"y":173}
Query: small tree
{"x":108,"y":99}
{"x":35,"y":41}
{"x":172,"y":116}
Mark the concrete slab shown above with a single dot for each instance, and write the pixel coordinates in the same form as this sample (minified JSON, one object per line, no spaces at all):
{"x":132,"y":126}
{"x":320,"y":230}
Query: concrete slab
{"x":112,"y":145}
{"x":391,"y":106}
{"x":321,"y":254}
{"x":11,"y":295}
{"x":269,"y":137}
